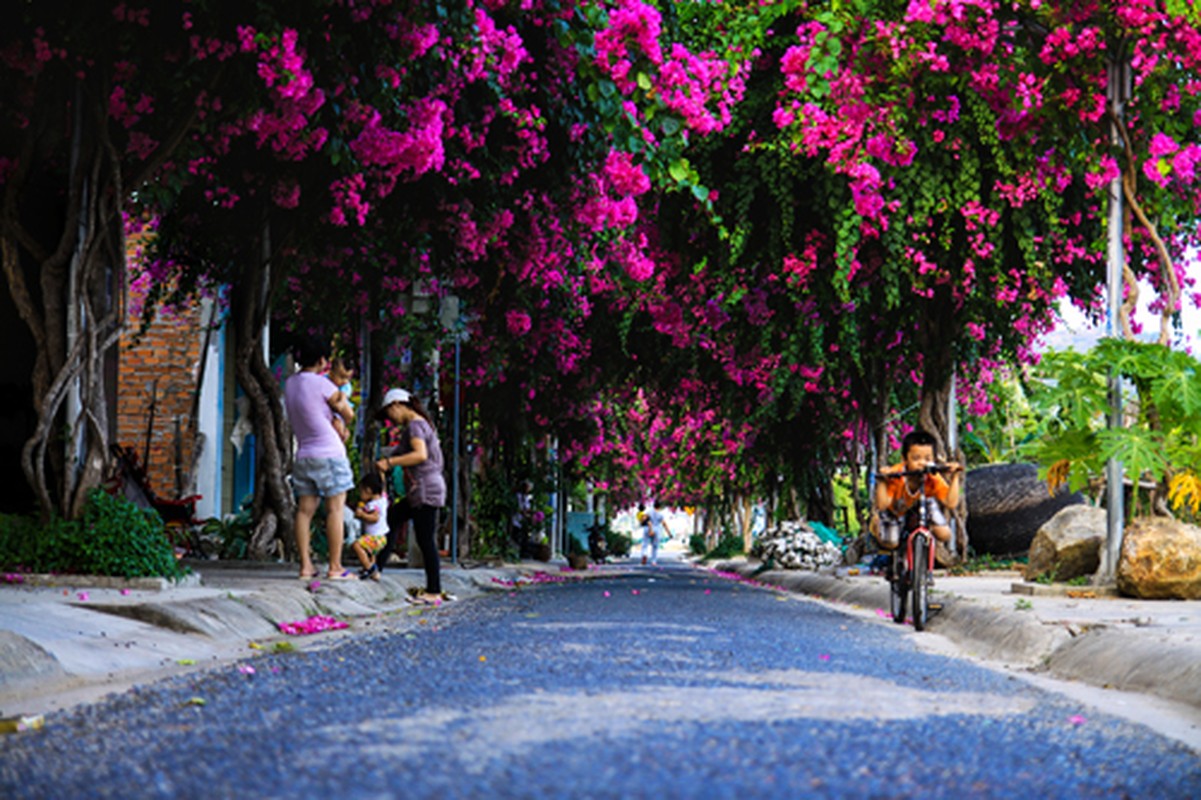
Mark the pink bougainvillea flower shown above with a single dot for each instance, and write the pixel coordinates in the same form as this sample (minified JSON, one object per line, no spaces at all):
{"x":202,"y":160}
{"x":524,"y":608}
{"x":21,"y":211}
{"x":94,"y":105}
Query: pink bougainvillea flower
{"x":83,"y":596}
{"x":517,"y":321}
{"x":314,"y":624}
{"x":1162,"y":145}
{"x":824,"y":657}
{"x":1077,"y":719}
{"x":246,"y":669}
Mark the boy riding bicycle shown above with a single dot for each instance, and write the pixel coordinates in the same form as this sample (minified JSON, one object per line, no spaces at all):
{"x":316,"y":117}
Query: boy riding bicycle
{"x":896,"y":497}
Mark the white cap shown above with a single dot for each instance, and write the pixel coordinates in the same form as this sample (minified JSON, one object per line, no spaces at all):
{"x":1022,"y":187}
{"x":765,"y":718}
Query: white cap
{"x":393,"y":396}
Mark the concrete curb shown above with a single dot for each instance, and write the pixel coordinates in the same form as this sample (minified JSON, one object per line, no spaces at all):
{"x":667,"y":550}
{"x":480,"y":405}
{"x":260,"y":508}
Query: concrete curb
{"x":23,"y":661}
{"x":987,"y":633}
{"x":155,"y":584}
{"x":1145,"y":662}
{"x":1136,"y":661}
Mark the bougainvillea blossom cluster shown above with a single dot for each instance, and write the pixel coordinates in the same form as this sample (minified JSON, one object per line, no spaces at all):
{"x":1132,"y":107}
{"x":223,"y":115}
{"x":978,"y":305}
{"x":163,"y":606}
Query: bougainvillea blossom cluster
{"x":534,"y":160}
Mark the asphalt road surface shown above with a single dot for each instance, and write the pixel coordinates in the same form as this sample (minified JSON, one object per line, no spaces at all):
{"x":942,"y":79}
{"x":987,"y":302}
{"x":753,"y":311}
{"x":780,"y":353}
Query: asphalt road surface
{"x":668,"y":683}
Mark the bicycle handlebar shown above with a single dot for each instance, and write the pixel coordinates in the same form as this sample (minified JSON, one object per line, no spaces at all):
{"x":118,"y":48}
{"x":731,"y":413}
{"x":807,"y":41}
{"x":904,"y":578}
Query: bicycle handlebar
{"x":929,"y":469}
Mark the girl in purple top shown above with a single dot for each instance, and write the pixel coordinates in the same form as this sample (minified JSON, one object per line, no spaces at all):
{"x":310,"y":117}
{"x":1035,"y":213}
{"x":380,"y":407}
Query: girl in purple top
{"x":420,"y":455}
{"x":320,"y":468}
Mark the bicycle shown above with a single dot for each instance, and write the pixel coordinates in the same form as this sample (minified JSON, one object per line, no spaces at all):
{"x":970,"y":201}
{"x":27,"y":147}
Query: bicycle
{"x":911,"y":566}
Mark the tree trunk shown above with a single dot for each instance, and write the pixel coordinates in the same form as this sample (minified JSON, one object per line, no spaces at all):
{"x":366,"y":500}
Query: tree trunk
{"x":81,"y":277}
{"x":938,"y":368}
{"x":274,"y":507}
{"x":819,"y":497}
{"x":746,"y":507}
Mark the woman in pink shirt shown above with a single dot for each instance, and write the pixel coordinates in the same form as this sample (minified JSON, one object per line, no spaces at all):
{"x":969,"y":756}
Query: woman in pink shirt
{"x":320,"y":469}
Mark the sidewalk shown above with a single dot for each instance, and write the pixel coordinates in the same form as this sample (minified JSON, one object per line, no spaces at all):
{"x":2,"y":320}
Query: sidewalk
{"x":75,"y":641}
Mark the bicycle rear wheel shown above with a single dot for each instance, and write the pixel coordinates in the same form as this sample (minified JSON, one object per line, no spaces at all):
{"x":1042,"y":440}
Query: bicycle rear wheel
{"x":920,"y":576}
{"x":897,"y":590}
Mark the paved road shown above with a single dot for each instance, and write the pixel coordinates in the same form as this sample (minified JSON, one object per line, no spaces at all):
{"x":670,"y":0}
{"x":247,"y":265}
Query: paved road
{"x":668,"y":683}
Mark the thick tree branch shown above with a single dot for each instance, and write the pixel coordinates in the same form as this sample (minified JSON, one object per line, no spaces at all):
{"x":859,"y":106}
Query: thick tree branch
{"x":175,"y":138}
{"x":1171,"y":285}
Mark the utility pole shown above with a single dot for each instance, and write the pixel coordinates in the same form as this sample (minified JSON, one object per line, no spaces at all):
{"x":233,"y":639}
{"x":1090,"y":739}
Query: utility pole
{"x":1119,"y":93}
{"x":452,"y":321}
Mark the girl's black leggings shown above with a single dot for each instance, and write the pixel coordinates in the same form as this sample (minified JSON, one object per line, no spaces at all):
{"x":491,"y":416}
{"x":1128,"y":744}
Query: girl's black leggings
{"x":425,"y":520}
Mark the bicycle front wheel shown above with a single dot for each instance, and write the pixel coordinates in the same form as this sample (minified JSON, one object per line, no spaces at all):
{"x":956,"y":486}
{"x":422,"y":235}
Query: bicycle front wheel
{"x":897,"y":590}
{"x":920,"y":575}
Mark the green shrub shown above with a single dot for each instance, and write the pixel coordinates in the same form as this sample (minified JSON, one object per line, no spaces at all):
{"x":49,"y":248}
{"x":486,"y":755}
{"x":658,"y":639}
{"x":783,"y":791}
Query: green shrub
{"x":728,"y":546}
{"x":233,"y":531}
{"x":25,"y":544}
{"x":617,"y":543}
{"x":696,"y":544}
{"x":115,"y":537}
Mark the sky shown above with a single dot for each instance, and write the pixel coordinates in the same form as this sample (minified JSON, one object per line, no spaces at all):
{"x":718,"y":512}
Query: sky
{"x":1076,"y":332}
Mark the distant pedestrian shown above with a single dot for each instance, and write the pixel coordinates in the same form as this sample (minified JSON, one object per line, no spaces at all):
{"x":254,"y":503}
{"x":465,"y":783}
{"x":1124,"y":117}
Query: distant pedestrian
{"x":419,"y":453}
{"x":644,"y":529}
{"x":654,"y":532}
{"x":320,"y":470}
{"x":523,"y":521}
{"x":371,"y":515}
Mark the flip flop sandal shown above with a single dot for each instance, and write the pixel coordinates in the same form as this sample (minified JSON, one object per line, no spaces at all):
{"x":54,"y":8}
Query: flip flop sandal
{"x":344,"y":575}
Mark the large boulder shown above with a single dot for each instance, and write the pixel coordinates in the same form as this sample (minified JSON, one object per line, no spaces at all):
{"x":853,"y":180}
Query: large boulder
{"x":1068,"y":545}
{"x":1161,"y":559}
{"x":1007,"y":504}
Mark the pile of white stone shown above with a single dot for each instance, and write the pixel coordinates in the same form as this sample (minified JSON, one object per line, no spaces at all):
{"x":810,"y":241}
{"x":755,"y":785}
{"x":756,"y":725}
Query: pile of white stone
{"x":793,"y":545}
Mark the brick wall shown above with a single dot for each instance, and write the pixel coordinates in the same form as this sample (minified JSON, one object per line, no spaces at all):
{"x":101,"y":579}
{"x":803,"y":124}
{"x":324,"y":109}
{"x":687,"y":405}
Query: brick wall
{"x":160,"y":368}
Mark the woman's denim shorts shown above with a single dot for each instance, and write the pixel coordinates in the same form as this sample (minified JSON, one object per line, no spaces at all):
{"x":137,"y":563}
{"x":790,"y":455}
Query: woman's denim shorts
{"x":321,"y":477}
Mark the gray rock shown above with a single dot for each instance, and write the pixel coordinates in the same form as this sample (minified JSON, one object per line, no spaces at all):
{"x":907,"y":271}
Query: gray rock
{"x":1068,"y":545}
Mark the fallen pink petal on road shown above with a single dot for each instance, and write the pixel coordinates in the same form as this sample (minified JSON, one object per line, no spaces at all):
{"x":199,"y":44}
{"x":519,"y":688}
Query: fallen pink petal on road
{"x":314,"y":624}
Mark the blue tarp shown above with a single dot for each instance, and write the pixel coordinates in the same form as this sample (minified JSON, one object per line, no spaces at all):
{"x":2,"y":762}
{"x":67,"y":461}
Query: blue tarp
{"x":826,"y":534}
